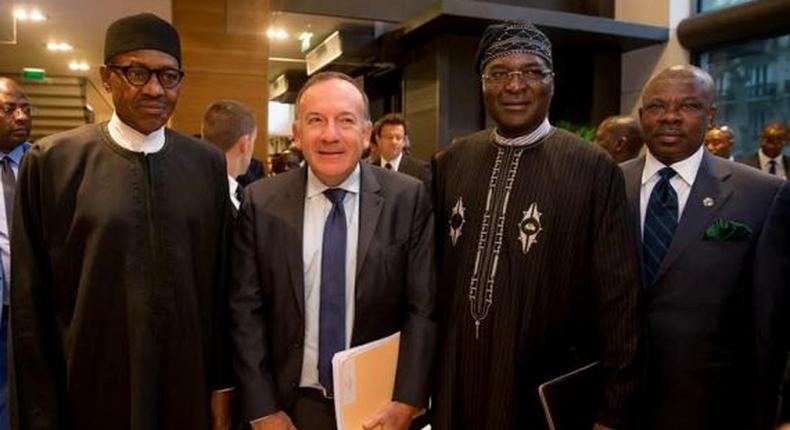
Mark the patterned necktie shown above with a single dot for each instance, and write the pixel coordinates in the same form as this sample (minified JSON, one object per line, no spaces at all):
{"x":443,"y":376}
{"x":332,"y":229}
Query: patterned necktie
{"x":332,"y":313}
{"x":661,"y":220}
{"x":9,"y":187}
{"x":772,"y":167}
{"x":388,"y":166}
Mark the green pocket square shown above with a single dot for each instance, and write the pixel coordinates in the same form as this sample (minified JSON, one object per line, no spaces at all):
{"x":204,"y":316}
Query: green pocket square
{"x":722,"y":230}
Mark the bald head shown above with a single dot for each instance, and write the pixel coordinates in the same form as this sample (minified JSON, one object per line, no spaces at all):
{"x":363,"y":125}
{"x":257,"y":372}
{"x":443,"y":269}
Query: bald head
{"x":677,"y":109}
{"x":620,"y":136}
{"x":15,"y":116}
{"x":719,"y":141}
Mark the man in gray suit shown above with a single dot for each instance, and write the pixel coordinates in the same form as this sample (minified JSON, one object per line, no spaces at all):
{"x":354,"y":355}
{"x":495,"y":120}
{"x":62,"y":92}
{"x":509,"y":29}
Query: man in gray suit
{"x":332,"y":255}
{"x":712,"y":361}
{"x":769,"y":158}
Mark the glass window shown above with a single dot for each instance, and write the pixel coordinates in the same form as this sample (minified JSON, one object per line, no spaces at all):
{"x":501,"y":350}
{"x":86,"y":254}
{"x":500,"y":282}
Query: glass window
{"x":752,"y":87}
{"x":707,"y":5}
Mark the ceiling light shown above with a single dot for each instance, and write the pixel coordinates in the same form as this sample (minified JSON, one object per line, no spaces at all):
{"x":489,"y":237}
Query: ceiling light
{"x":33,"y":15}
{"x":79,"y":66}
{"x":277,"y":34}
{"x":59,"y":46}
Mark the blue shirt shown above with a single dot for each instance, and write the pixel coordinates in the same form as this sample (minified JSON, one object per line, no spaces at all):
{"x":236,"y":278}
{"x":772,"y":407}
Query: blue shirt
{"x":5,"y":246}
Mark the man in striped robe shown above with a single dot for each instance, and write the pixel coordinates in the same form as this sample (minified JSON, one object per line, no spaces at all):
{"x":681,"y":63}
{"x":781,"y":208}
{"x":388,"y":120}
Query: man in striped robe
{"x":538,"y":268}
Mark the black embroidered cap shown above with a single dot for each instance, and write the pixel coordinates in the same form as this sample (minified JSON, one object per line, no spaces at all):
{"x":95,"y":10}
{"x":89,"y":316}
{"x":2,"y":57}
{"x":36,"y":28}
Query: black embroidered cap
{"x":512,"y":38}
{"x":141,"y":31}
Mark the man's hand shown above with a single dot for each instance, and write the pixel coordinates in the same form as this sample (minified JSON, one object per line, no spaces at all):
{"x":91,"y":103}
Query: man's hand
{"x":394,"y":416}
{"x":276,"y":421}
{"x":221,"y":414}
{"x":601,"y":427}
{"x":785,"y":426}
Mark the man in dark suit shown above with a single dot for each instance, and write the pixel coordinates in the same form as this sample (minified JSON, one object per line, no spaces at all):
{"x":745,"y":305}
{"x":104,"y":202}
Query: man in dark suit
{"x":769,"y":158}
{"x":391,"y":132}
{"x":701,"y":219}
{"x":335,"y":254}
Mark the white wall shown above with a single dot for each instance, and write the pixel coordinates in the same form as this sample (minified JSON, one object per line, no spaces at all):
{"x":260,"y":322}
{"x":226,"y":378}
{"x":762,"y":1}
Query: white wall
{"x":639,"y":65}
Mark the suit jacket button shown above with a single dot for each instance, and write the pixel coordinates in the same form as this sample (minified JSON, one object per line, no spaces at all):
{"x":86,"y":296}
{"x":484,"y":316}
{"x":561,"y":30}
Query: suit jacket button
{"x":293,"y":384}
{"x":296,"y":345}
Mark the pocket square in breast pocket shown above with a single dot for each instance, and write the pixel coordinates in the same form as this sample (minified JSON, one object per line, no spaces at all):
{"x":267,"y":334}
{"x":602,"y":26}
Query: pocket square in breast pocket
{"x":722,"y":230}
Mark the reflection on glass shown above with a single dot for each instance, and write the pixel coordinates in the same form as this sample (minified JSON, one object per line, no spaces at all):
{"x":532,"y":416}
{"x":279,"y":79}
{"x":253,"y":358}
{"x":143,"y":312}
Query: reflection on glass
{"x":707,"y":5}
{"x":752,"y":87}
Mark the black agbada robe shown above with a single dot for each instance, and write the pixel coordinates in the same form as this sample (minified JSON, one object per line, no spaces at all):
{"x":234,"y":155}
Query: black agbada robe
{"x":117,"y":285}
{"x":559,"y":270}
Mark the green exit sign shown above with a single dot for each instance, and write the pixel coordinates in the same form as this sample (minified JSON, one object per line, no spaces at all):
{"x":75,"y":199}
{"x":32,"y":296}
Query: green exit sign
{"x":33,"y":74}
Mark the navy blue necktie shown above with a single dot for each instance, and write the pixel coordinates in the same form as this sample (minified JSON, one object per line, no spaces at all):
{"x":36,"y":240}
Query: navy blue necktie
{"x":772,"y":167}
{"x":332,"y":314}
{"x":661,"y":220}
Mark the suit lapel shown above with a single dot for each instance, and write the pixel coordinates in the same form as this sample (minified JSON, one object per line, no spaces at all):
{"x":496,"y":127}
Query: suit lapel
{"x":709,"y":187}
{"x":292,"y":208}
{"x":633,"y":184}
{"x":370,"y":205}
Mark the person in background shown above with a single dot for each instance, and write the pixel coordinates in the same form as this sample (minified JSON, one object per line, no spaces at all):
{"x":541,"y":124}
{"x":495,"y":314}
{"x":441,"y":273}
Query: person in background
{"x":230,"y":126}
{"x":621,"y":137}
{"x":719,"y":141}
{"x":391,"y":132}
{"x":15,"y":125}
{"x":769,"y":158}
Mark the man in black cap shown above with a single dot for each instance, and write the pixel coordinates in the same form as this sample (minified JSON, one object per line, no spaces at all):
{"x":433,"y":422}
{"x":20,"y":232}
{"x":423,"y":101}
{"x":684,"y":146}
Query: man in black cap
{"x":537,"y":264}
{"x":119,"y":250}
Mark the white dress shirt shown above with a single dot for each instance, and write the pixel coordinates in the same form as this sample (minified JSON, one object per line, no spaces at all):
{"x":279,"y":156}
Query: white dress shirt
{"x":394,"y":163}
{"x":316,"y":209}
{"x":765,"y":164}
{"x":232,"y":185}
{"x":133,"y":140}
{"x":682,"y":182}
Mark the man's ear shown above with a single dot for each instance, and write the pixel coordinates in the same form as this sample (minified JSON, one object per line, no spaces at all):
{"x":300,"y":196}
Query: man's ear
{"x":104,"y":74}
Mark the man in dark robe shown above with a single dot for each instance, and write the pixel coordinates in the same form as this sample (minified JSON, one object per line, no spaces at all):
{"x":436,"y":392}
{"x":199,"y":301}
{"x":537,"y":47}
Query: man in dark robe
{"x":119,"y":251}
{"x":538,"y":272}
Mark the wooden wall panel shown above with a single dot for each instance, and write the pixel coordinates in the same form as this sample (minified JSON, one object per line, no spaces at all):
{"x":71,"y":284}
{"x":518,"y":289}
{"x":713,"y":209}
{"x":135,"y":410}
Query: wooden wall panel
{"x":225,"y":54}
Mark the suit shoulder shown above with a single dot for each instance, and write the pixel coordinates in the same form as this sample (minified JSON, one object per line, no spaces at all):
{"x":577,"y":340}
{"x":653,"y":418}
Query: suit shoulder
{"x":82,"y":135}
{"x":271,"y":185}
{"x":394,"y":181}
{"x":750,"y":176}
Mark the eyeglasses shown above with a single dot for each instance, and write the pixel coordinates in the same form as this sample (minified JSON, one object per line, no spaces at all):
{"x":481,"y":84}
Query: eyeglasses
{"x":10,"y":110}
{"x":524,"y":76}
{"x":138,"y":75}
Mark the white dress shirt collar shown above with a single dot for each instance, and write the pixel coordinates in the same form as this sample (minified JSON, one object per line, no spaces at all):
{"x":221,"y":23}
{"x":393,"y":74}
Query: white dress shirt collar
{"x":232,"y":186}
{"x":686,"y":169}
{"x":394,"y":163}
{"x":133,"y":140}
{"x":315,"y":186}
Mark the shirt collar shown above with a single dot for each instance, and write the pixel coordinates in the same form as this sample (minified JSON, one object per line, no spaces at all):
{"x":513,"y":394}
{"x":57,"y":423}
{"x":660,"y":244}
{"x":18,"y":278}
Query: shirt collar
{"x":316,"y":187}
{"x":232,"y":184}
{"x":764,"y":159}
{"x":687,"y":168}
{"x":132,"y":139}
{"x":525,"y":140}
{"x":394,"y":162}
{"x":16,"y":154}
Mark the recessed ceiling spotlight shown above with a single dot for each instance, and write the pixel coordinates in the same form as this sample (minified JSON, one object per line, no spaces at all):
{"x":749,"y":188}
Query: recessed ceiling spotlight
{"x":277,"y":34}
{"x":33,"y":15}
{"x":59,"y":46}
{"x":79,"y":66}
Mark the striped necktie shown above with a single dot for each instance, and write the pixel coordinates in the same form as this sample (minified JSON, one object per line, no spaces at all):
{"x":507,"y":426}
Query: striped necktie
{"x":661,"y":220}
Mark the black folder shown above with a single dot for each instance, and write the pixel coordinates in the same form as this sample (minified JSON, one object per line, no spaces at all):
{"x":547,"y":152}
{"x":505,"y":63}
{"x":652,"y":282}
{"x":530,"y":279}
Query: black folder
{"x":572,"y":401}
